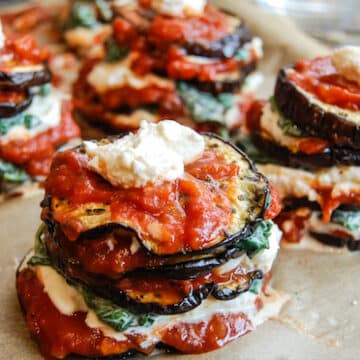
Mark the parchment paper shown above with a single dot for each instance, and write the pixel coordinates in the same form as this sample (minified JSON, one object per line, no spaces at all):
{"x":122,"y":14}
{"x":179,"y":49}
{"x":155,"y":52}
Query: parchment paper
{"x":322,"y":319}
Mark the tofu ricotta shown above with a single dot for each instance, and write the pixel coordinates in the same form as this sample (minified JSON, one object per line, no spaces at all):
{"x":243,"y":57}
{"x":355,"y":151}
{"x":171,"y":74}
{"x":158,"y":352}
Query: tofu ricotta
{"x":179,"y":7}
{"x":46,"y":109}
{"x":156,"y":153}
{"x":347,"y":62}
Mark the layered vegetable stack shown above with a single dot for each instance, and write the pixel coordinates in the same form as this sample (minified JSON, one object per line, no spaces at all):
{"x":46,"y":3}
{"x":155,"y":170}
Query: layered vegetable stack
{"x":185,"y":60}
{"x":161,"y":238}
{"x":310,"y":129}
{"x":34,"y":119}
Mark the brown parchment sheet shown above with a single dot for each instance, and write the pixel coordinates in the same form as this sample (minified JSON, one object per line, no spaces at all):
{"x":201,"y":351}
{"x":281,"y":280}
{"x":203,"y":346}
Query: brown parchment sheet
{"x":321,"y":321}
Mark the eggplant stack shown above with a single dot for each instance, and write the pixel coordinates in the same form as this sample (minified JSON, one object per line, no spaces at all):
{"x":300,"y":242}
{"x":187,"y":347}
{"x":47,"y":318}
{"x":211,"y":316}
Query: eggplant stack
{"x":190,"y":62}
{"x":34,"y":119}
{"x":310,"y":132}
{"x":181,"y":265}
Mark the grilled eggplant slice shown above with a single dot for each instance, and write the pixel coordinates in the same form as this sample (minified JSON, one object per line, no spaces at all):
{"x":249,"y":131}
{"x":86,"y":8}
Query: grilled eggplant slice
{"x":26,"y":77}
{"x":225,"y":47}
{"x":12,"y":108}
{"x":227,"y":83}
{"x":233,"y":289}
{"x":248,"y":192}
{"x":174,"y":267}
{"x":331,"y":156}
{"x":331,"y":240}
{"x":340,"y":127}
{"x":148,"y":294}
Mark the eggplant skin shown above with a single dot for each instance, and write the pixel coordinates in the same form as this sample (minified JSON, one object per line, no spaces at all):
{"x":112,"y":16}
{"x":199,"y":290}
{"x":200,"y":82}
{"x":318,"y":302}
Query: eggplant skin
{"x":24,"y":80}
{"x":226,"y":47}
{"x":331,"y":156}
{"x":227,"y":86}
{"x":9,"y":109}
{"x":123,"y":356}
{"x":182,"y":268}
{"x":227,"y":293}
{"x":312,"y":118}
{"x":327,"y":239}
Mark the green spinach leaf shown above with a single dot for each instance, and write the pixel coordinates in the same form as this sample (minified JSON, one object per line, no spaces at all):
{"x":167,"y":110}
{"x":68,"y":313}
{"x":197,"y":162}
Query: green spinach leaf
{"x":205,"y":107}
{"x":11,"y":173}
{"x":348,"y":219}
{"x":258,"y":240}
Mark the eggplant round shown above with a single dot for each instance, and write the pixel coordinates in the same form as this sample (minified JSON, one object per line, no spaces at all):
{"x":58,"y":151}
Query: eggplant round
{"x":331,"y":240}
{"x":315,"y":117}
{"x":249,"y":199}
{"x":25,"y":79}
{"x":177,"y":268}
{"x":9,"y":109}
{"x":226,"y":85}
{"x":225,"y":47}
{"x":231,"y":291}
{"x":331,"y":156}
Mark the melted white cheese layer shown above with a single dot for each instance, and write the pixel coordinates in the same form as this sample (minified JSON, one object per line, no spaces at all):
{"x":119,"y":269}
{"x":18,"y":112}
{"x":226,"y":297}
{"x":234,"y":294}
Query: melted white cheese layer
{"x":156,"y":153}
{"x":342,"y":180}
{"x":179,"y":7}
{"x":66,"y":299}
{"x":269,"y":125}
{"x":108,"y":76}
{"x":46,"y":109}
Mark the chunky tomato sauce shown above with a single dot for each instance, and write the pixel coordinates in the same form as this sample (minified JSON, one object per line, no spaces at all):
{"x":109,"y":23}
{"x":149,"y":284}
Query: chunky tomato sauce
{"x":329,"y":203}
{"x":207,"y":336}
{"x":166,"y":99}
{"x":21,"y":51}
{"x":164,"y":31}
{"x":319,"y":77}
{"x":10,"y":96}
{"x":34,"y":155}
{"x":293,"y":224}
{"x":179,"y":66}
{"x":60,"y":335}
{"x":275,"y":206}
{"x":185,"y":215}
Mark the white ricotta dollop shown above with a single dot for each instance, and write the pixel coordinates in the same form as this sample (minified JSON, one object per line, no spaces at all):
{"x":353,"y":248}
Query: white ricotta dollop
{"x":156,"y":153}
{"x":347,"y":62}
{"x":179,"y":7}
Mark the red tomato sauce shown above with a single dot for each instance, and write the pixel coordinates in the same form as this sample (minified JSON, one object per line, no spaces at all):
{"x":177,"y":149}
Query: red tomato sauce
{"x":178,"y":66}
{"x":329,"y":203}
{"x":167,"y":30}
{"x":207,"y":336}
{"x":166,"y":99}
{"x":20,"y":51}
{"x":168,"y":291}
{"x":15,"y":97}
{"x":293,"y":224}
{"x":184,"y":215}
{"x":61,"y":335}
{"x":35,"y":155}
{"x":275,"y":206}
{"x":319,"y":77}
